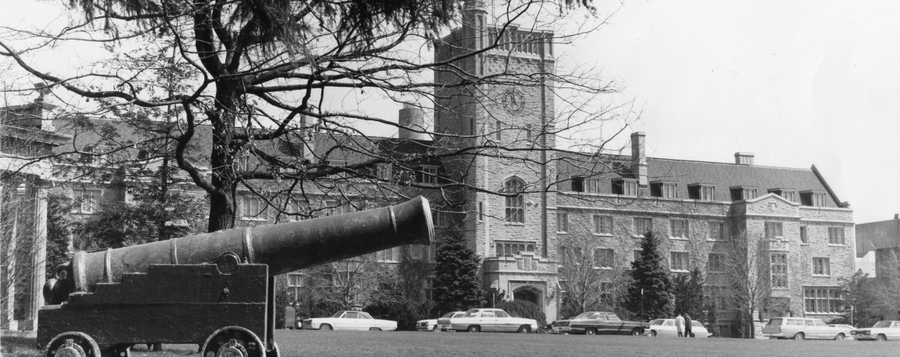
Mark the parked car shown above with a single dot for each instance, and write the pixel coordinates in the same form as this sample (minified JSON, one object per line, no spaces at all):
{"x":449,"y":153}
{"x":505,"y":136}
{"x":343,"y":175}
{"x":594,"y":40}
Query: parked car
{"x":801,"y":328}
{"x":666,"y":328}
{"x":881,"y":331}
{"x":432,"y":324}
{"x":597,"y":322}
{"x":349,"y":320}
{"x":495,"y":320}
{"x":850,"y":329}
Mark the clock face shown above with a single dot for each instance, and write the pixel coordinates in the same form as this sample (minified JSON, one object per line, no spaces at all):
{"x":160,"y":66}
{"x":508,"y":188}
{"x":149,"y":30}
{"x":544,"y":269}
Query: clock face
{"x":513,"y":100}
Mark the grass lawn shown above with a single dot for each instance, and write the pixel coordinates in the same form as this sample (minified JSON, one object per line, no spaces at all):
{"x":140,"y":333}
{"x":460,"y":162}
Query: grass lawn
{"x":319,"y":344}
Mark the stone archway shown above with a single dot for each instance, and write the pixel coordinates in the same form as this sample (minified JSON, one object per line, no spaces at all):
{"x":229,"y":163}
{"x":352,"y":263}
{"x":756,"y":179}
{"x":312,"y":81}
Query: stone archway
{"x":530,"y":294}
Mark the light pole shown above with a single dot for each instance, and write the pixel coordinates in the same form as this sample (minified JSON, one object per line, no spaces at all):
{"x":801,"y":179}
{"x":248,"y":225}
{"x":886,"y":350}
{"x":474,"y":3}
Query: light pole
{"x":642,"y":306}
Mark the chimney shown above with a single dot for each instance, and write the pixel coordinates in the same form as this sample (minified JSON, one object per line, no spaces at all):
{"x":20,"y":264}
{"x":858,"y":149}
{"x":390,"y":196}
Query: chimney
{"x":412,"y":123}
{"x":743,"y":158}
{"x":639,"y":157}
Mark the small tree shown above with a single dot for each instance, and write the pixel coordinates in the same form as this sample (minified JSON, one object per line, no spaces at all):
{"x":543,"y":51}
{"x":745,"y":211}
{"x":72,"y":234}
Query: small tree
{"x":860,"y":300}
{"x":457,"y":285}
{"x":347,"y":283}
{"x":577,"y":276}
{"x":688,"y":291}
{"x":748,"y":273}
{"x":649,"y":295}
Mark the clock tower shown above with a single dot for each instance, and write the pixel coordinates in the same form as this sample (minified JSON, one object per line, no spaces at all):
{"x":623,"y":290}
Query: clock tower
{"x":496,"y":99}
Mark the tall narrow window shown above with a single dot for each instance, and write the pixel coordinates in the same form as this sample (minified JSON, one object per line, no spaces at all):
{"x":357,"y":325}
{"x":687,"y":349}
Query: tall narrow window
{"x":642,"y":225}
{"x":804,"y":238}
{"x":680,"y":228}
{"x":821,"y":266}
{"x":604,"y":258}
{"x":515,"y":201}
{"x":679,"y":261}
{"x":480,"y":211}
{"x":716,"y":231}
{"x":562,"y":222}
{"x":716,"y":263}
{"x":778,"y":267}
{"x":773,"y":230}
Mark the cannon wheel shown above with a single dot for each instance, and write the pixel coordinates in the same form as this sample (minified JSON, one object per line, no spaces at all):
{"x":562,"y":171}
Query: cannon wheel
{"x":233,"y":341}
{"x":73,"y":344}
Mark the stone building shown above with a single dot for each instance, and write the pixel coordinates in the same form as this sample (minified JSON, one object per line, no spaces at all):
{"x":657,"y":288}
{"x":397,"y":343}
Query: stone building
{"x":878,"y":245}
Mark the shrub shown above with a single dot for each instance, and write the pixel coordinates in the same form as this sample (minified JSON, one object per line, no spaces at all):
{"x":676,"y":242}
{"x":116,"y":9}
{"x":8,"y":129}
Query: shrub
{"x":405,"y":311}
{"x":526,"y":309}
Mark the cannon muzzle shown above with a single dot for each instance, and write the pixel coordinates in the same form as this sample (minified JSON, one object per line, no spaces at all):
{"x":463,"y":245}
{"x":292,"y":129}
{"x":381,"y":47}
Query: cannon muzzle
{"x":283,"y":247}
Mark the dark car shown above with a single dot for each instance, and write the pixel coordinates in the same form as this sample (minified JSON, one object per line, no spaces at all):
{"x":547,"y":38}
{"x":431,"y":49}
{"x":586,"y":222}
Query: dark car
{"x":598,"y":322}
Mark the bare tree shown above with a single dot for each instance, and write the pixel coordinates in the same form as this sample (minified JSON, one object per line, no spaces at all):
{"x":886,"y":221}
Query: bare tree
{"x":887,"y":279}
{"x":256,"y":84}
{"x":748,"y":272}
{"x":349,"y":283}
{"x":590,"y":280}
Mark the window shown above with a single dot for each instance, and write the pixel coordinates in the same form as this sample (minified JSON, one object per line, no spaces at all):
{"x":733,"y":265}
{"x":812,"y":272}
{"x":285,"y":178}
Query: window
{"x":803,"y":235}
{"x":779,"y":270}
{"x":606,"y":293}
{"x":296,"y":282}
{"x":642,"y":225}
{"x":385,"y":171}
{"x":822,"y":300}
{"x":680,"y":261}
{"x":89,"y":201}
{"x":773,"y":230}
{"x":702,"y":192}
{"x":821,"y":266}
{"x":515,"y":204}
{"x":592,"y":185}
{"x":716,"y":231}
{"x":663,"y":189}
{"x":635,"y":256}
{"x":604,"y":258}
{"x":441,"y":219}
{"x":812,"y":198}
{"x":790,"y":195}
{"x":562,"y":222}
{"x":417,"y":252}
{"x":836,"y":235}
{"x":337,"y":166}
{"x":331,"y":208}
{"x":428,"y":175}
{"x":716,"y":263}
{"x":432,"y":252}
{"x":510,"y":248}
{"x":388,"y":255}
{"x":528,"y":131}
{"x":480,"y":211}
{"x":253,"y":207}
{"x":499,"y":130}
{"x":602,"y":224}
{"x":719,"y":295}
{"x":743,"y":193}
{"x":625,"y":187}
{"x":429,"y":288}
{"x":680,"y":228}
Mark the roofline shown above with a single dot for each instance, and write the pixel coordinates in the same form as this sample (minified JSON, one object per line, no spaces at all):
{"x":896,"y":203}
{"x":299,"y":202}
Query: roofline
{"x":730,"y":164}
{"x":837,"y":201}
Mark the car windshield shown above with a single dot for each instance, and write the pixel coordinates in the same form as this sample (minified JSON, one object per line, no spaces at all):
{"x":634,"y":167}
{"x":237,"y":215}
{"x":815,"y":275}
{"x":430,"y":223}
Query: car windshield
{"x":656,"y":322}
{"x":448,"y":315}
{"x":338,"y":314}
{"x":775,"y":322}
{"x":882,"y":324}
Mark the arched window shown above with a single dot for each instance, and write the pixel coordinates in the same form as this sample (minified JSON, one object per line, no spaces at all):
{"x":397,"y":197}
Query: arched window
{"x":515,"y":205}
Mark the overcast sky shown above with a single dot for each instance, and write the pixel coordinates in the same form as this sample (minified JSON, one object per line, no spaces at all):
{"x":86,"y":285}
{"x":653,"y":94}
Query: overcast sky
{"x":797,"y":83}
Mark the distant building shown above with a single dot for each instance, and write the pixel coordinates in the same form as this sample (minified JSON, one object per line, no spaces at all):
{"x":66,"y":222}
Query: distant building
{"x":878,"y":247}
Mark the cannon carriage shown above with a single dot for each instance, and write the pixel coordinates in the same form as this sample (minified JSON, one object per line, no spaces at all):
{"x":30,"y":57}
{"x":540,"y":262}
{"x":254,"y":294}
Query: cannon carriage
{"x":216,"y":290}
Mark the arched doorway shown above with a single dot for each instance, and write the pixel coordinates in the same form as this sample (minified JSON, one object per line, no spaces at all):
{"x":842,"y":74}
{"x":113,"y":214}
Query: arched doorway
{"x":528,"y":293}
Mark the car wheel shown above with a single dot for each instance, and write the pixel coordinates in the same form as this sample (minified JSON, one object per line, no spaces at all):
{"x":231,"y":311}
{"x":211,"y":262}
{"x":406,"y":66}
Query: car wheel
{"x":374,"y":329}
{"x":590,"y":332}
{"x":636,"y":332}
{"x":524,"y":329}
{"x":325,"y":327}
{"x":798,"y":336}
{"x":881,"y":338}
{"x":652,"y":334}
{"x":839,"y":337}
{"x":473,"y":328}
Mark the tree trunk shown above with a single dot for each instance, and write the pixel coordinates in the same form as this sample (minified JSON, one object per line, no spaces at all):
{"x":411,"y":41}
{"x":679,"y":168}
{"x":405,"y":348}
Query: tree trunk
{"x":222,"y":157}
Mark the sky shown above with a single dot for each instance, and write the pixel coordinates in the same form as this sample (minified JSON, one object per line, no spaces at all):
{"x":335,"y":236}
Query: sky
{"x":796,"y":83}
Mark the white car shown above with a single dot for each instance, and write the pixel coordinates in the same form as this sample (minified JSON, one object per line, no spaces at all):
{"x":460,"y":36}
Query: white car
{"x":666,"y":328}
{"x":496,"y":320}
{"x":349,"y":320}
{"x":882,"y":331}
{"x":803,"y":328}
{"x":432,"y":324}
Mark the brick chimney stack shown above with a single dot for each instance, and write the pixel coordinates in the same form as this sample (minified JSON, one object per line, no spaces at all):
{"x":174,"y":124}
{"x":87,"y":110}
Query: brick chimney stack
{"x":743,"y":158}
{"x":639,"y":157}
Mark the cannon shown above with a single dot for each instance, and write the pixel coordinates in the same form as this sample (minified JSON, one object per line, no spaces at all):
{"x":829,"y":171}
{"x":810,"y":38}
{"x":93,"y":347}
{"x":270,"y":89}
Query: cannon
{"x":216,"y":290}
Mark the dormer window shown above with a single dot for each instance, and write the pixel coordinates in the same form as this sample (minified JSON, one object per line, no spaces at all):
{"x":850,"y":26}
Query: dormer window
{"x":586,"y":184}
{"x":663,"y":189}
{"x":739,"y":193}
{"x":812,"y":198}
{"x":625,"y":187}
{"x":788,"y":194}
{"x":702,"y":192}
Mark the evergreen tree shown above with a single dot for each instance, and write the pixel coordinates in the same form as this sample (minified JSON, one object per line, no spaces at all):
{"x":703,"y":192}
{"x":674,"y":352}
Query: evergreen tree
{"x":649,"y":295}
{"x":457,"y":285}
{"x":688,"y":290}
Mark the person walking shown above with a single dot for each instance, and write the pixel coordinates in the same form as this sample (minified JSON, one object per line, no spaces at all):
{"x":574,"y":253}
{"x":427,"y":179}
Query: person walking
{"x":687,"y":325}
{"x":679,"y":325}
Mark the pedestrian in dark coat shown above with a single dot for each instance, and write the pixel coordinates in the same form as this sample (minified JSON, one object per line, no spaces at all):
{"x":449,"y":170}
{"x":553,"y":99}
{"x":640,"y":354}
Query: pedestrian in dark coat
{"x":687,"y":326}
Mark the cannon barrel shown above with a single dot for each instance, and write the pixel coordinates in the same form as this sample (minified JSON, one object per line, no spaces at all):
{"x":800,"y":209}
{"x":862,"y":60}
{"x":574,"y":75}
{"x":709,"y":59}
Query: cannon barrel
{"x":283,"y":247}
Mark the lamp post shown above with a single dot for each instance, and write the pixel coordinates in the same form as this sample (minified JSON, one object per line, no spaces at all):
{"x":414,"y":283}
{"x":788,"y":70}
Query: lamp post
{"x":642,"y":305}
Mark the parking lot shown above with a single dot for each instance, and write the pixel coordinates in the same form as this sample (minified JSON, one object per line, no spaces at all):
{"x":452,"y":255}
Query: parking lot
{"x":319,"y":343}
